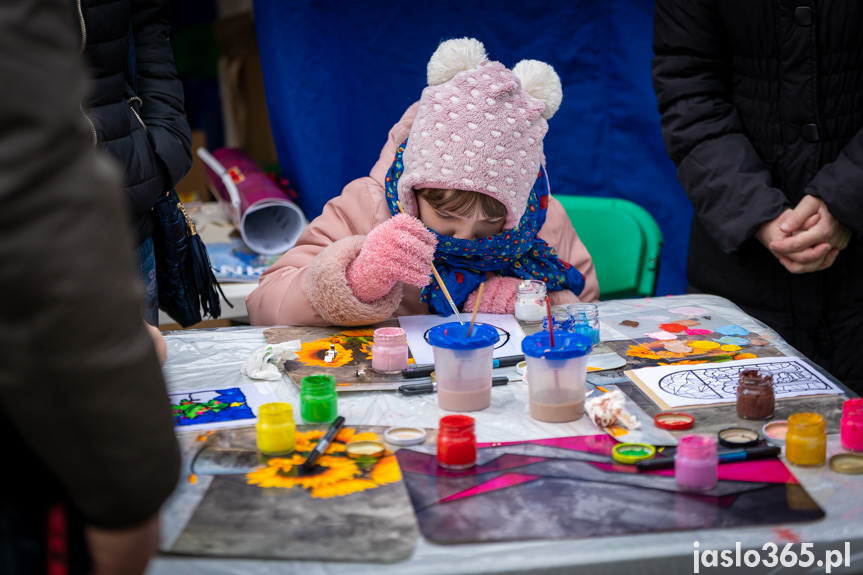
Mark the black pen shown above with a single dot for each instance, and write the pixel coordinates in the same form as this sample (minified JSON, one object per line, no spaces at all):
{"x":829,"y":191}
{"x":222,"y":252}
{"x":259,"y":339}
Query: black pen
{"x":425,"y":370}
{"x":322,"y":445}
{"x":431,"y":387}
{"x":762,"y":452}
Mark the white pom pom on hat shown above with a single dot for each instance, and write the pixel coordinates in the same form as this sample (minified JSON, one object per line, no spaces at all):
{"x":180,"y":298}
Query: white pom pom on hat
{"x":540,"y":81}
{"x":454,"y":56}
{"x":479,"y":127}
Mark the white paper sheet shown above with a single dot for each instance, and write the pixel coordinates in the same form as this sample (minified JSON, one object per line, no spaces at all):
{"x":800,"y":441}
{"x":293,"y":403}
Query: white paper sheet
{"x":416,"y":326}
{"x":709,"y":383}
{"x":210,"y":411}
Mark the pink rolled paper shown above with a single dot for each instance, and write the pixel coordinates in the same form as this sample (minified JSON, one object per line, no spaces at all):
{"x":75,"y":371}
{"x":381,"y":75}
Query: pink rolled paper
{"x":267,"y":219}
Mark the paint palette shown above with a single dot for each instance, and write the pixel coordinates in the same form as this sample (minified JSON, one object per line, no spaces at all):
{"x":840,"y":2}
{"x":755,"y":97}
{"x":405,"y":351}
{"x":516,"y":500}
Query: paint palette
{"x":683,"y":335}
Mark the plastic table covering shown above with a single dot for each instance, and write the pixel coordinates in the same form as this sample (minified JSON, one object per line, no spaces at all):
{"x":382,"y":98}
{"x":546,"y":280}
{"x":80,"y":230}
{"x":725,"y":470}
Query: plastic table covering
{"x":202,"y":359}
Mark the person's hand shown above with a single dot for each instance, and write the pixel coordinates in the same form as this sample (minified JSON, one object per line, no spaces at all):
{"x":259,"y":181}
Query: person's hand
{"x":400,"y":249}
{"x":159,"y":343}
{"x":770,"y":234}
{"x":122,"y":551}
{"x":814,"y":237}
{"x":498,"y":296}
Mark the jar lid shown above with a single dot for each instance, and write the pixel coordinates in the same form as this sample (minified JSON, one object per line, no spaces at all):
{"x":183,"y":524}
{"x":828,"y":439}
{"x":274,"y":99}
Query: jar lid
{"x":847,"y":463}
{"x":566,"y":345}
{"x":775,"y":432}
{"x":405,"y":435}
{"x":738,"y":437}
{"x":632,"y":452}
{"x":453,"y":335}
{"x":673,"y":420}
{"x":365,"y":450}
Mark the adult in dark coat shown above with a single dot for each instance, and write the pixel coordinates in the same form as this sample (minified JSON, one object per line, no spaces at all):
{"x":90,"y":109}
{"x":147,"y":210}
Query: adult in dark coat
{"x":89,"y":453}
{"x":135,"y":109}
{"x":762,"y":113}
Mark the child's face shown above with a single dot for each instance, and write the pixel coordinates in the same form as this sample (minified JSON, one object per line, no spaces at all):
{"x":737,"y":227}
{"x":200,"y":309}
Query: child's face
{"x":477,"y":225}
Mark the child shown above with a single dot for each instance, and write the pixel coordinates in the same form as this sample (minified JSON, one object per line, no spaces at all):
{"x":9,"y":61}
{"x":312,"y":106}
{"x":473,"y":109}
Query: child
{"x":465,"y":165}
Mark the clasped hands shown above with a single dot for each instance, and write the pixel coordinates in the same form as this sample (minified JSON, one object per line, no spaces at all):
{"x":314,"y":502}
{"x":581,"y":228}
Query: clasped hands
{"x":805,"y":239}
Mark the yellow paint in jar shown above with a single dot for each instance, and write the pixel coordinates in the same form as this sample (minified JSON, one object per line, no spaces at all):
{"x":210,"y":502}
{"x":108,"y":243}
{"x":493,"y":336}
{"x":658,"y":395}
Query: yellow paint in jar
{"x":806,"y":442}
{"x":276,"y":430}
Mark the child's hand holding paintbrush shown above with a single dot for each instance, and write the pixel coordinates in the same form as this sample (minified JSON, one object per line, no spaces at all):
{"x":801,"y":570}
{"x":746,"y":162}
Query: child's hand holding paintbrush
{"x":400,"y":249}
{"x":433,"y":269}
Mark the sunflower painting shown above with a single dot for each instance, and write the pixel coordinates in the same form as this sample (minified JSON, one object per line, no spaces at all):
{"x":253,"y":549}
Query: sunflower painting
{"x":242,"y":504}
{"x":312,"y":353}
{"x":353,"y":352}
{"x":334,"y":475}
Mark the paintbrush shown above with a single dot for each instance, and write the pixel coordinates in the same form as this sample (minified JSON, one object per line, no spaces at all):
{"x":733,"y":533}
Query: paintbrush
{"x":475,"y":308}
{"x":440,"y":281}
{"x":551,"y":337}
{"x":321,"y":446}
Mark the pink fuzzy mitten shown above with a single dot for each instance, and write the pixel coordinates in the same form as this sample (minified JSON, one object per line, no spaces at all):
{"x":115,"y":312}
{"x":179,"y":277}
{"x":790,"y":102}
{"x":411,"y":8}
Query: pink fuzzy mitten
{"x":498,"y":296}
{"x":400,"y":249}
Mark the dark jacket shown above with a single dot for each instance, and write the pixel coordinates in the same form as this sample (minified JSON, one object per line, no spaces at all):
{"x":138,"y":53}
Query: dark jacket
{"x":762,"y":103}
{"x":83,"y":408}
{"x":149,"y":135}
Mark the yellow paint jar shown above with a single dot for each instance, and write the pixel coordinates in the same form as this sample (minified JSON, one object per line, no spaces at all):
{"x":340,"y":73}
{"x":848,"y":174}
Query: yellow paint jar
{"x":806,"y":442}
{"x":276,"y":430}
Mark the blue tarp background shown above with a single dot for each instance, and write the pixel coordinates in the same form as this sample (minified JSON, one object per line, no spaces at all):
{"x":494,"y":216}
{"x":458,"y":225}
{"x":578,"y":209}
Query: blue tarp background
{"x":339,"y":74}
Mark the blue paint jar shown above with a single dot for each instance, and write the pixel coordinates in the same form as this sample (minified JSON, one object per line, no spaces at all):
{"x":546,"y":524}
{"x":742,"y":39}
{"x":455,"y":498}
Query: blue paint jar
{"x":585,"y":320}
{"x":562,"y":321}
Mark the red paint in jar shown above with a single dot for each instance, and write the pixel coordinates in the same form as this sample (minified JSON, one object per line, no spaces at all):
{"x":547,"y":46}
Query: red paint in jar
{"x":851,"y":427}
{"x":456,"y":442}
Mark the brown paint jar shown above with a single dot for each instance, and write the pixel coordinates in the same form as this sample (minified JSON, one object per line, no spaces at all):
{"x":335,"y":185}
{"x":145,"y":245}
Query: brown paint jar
{"x":755,"y":397}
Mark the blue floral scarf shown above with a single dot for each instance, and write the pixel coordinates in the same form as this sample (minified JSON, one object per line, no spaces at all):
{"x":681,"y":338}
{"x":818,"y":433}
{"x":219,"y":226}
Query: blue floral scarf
{"x":462,"y":264}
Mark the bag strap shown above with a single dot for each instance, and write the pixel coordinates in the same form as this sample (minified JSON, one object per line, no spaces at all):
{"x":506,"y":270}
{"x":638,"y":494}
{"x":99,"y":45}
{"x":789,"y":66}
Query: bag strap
{"x":131,"y":71}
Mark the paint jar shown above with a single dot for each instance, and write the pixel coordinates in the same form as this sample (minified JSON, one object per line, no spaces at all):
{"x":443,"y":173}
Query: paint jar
{"x":585,"y":320}
{"x":456,"y":442}
{"x":275,"y":429}
{"x":463,"y":365}
{"x":390,"y":349}
{"x":561,"y":320}
{"x":530,"y":301}
{"x":557,"y":375}
{"x":755,"y":397}
{"x":696,"y":465}
{"x":806,"y":441}
{"x":318,"y":399}
{"x":851,"y":427}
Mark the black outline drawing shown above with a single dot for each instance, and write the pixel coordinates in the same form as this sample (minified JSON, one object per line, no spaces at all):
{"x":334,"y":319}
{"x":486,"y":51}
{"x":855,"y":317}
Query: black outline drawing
{"x":719,"y":382}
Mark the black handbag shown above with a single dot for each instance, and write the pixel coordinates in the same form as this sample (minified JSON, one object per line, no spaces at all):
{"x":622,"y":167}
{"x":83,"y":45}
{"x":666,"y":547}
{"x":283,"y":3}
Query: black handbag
{"x":185,"y":279}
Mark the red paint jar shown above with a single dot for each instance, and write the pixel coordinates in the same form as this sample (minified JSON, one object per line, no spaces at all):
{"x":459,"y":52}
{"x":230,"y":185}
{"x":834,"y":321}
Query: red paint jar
{"x":851,"y":428}
{"x":456,"y":442}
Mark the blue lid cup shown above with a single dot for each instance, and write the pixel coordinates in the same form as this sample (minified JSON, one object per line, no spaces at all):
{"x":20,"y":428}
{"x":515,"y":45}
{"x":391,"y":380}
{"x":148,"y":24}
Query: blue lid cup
{"x":463,"y":365}
{"x":556,"y":375}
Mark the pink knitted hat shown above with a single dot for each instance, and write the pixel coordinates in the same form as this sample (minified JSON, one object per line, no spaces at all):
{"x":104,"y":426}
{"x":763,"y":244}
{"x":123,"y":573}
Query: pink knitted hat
{"x":479,"y":127}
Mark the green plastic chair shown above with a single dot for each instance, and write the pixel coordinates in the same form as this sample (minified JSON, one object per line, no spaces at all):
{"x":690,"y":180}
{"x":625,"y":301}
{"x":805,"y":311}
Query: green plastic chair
{"x":624,"y":241}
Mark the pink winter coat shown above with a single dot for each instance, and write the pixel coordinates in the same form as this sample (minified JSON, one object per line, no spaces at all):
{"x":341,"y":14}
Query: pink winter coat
{"x":308,"y":285}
